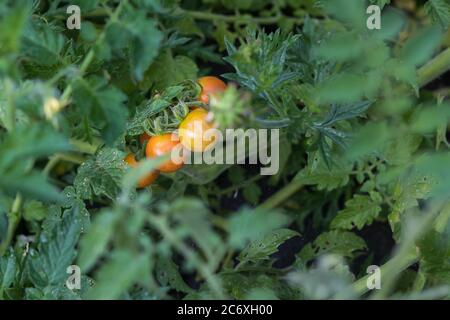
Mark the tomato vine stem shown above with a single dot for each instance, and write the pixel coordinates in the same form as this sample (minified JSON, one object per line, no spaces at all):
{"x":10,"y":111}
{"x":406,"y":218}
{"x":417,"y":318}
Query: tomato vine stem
{"x":282,"y":195}
{"x":200,"y":15}
{"x":407,"y":253}
{"x":434,"y":68}
{"x":14,"y":218}
{"x":161,"y":225}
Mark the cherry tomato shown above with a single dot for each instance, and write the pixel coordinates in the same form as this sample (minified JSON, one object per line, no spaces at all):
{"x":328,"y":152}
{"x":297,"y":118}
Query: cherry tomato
{"x":148,"y":179}
{"x":143,"y":138}
{"x":192,"y":131}
{"x":161,"y":145}
{"x":210,"y":86}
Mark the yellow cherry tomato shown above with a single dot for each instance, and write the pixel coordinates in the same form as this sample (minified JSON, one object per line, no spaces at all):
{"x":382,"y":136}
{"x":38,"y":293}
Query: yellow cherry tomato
{"x":192,"y":131}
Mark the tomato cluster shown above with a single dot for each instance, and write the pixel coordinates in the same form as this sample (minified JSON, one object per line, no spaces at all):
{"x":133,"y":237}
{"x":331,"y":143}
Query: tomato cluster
{"x":189,"y":135}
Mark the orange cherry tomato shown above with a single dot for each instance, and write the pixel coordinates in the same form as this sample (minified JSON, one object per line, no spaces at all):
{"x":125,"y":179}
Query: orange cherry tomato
{"x":143,"y":138}
{"x":210,"y":86}
{"x":161,"y":145}
{"x":192,"y":131}
{"x":148,"y":179}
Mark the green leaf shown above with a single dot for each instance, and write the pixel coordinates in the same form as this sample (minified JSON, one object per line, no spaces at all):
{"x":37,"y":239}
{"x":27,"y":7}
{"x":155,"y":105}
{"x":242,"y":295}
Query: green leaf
{"x":418,"y":49}
{"x":33,"y":185}
{"x":434,"y":251}
{"x":348,"y":87}
{"x":359,"y":211}
{"x":439,"y":11}
{"x":368,"y":140}
{"x":34,"y":211}
{"x":240,"y":286}
{"x":249,"y":225}
{"x":429,"y":119}
{"x":149,"y":109}
{"x":330,"y":279}
{"x":193,"y":218}
{"x":86,"y":5}
{"x":380,"y":3}
{"x":252,"y":193}
{"x":138,"y":36}
{"x":47,"y":265}
{"x":261,"y":249}
{"x":117,"y":275}
{"x":103,"y":106}
{"x":400,"y":151}
{"x":168,"y":274}
{"x":71,"y":201}
{"x":8,"y":269}
{"x":260,"y":62}
{"x":43,"y":45}
{"x":94,"y":242}
{"x":145,"y":44}
{"x":343,"y":243}
{"x":168,"y":71}
{"x":353,"y":15}
{"x":31,"y":143}
{"x":317,"y":173}
{"x":12,"y":24}
{"x":19,"y":149}
{"x":102,"y":175}
{"x":3,"y":224}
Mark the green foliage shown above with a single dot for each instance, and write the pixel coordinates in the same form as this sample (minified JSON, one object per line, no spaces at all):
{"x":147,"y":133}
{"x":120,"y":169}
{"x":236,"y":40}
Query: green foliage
{"x":248,"y":225}
{"x":439,"y":10}
{"x":317,"y":173}
{"x":168,"y":70}
{"x":435,"y":252}
{"x":102,"y":175}
{"x":48,"y":264}
{"x":362,"y":140}
{"x":261,"y":249}
{"x":359,"y":211}
{"x":337,"y":242}
{"x":102,"y":106}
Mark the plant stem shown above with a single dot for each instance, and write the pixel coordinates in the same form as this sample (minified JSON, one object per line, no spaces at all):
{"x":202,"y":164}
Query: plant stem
{"x":282,"y":195}
{"x":161,"y":225}
{"x":200,"y":15}
{"x":91,"y":53}
{"x":15,"y":214}
{"x":434,"y":68}
{"x":80,"y":146}
{"x":84,"y":65}
{"x":241,"y":185}
{"x":53,"y":161}
{"x":405,"y":256}
{"x":13,"y":221}
{"x":85,"y":147}
{"x":360,"y":286}
{"x":255,"y":270}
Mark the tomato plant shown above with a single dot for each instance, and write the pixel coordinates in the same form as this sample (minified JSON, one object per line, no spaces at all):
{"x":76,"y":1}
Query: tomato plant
{"x":355,"y":105}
